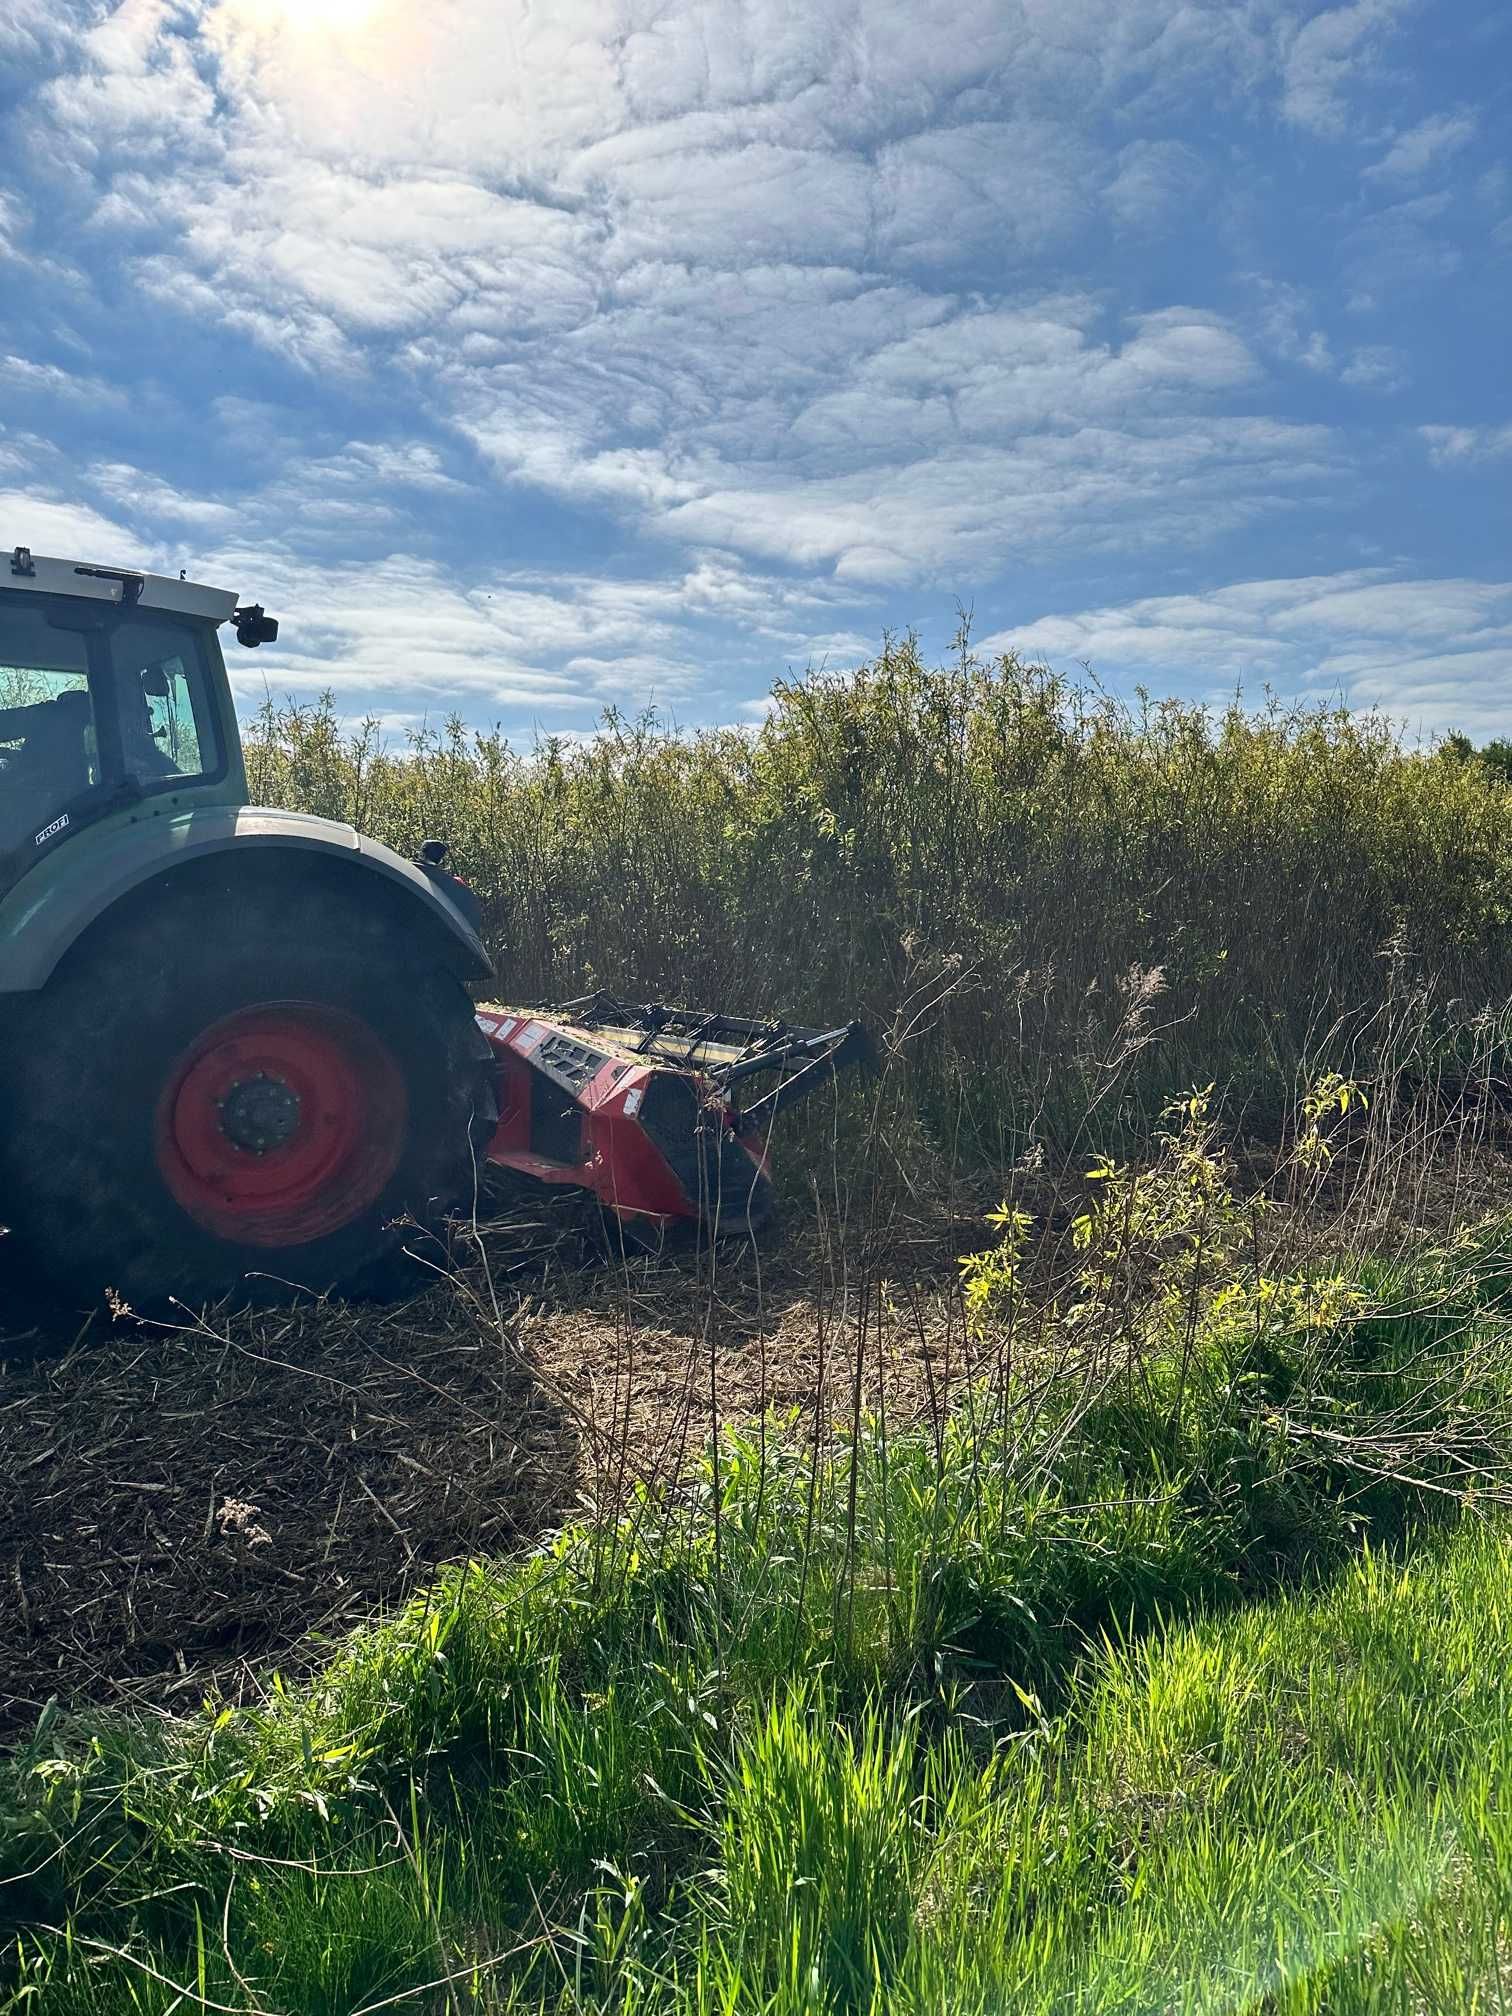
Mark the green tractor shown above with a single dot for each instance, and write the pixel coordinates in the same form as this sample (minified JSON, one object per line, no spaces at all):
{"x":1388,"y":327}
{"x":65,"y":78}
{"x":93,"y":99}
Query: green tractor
{"x":238,"y":1052}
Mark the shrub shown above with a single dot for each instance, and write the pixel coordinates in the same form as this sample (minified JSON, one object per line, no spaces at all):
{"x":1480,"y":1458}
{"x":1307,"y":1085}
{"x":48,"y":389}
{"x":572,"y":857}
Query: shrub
{"x":1268,"y":891}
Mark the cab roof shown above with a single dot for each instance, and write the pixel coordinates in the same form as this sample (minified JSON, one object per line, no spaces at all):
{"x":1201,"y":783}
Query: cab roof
{"x":38,"y":574}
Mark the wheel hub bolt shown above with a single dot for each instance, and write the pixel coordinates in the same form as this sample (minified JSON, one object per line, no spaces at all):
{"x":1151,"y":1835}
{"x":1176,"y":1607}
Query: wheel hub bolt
{"x":259,"y":1114}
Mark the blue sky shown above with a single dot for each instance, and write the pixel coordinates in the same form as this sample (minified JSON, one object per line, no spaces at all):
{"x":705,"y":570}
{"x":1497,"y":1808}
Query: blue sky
{"x":529,"y":356}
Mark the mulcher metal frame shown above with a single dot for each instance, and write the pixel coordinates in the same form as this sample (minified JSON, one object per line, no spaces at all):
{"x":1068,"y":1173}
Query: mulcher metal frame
{"x":634,"y":1103}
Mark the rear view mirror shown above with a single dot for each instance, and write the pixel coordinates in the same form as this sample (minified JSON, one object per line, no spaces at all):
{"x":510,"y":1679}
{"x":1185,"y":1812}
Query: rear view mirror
{"x":155,"y":683}
{"x":253,"y":627}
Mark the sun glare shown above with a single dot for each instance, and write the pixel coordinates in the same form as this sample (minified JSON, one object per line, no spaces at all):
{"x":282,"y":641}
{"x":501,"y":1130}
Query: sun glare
{"x":314,"y":17}
{"x":330,"y":13}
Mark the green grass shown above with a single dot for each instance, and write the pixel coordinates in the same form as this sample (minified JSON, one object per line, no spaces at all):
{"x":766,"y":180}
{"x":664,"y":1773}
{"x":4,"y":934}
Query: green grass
{"x":1301,"y":1807}
{"x":1278,"y":891}
{"x":1060,"y":1711}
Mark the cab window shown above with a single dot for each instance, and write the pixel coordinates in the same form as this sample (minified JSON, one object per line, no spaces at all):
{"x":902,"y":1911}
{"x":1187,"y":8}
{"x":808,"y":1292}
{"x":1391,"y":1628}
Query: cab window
{"x":49,"y":750}
{"x":167,"y":726}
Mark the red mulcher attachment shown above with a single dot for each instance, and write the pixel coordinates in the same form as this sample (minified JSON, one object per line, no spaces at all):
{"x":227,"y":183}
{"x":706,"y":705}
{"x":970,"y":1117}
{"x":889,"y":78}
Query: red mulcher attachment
{"x":638,"y":1106}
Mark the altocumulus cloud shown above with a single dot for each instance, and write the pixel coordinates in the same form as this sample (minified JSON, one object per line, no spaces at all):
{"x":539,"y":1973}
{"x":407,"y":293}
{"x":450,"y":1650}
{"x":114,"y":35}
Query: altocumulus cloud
{"x":536,"y":358}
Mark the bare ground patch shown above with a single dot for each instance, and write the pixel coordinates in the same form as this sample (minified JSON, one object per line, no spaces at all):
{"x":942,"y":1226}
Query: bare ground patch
{"x":181,"y":1508}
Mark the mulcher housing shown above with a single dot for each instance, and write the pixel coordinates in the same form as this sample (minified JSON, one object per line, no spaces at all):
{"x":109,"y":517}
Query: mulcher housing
{"x":640,"y":1106}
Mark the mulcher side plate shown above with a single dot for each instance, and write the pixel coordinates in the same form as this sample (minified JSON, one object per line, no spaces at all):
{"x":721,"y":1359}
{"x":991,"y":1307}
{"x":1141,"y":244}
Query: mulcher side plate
{"x":638,"y":1104}
{"x":652,"y":1140}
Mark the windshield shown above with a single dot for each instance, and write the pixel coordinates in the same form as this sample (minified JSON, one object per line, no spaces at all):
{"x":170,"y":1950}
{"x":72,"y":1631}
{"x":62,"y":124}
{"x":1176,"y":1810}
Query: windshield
{"x":92,"y":705}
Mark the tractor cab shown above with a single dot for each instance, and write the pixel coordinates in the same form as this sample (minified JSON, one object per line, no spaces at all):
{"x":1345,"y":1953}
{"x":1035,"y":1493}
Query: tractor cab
{"x":112,"y":695}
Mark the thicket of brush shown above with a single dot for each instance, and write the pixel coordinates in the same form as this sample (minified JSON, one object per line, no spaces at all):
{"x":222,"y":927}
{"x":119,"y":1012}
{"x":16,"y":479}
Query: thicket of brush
{"x":901,"y":1720}
{"x":1270,"y":887}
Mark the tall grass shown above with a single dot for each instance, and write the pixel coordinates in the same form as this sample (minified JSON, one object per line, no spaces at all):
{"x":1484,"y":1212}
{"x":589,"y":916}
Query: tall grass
{"x":879,"y":1722}
{"x":1271,"y":887}
{"x":1299,"y":1808}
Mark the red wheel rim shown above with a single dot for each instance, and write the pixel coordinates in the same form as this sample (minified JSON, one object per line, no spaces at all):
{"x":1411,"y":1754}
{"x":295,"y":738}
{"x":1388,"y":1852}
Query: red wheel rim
{"x":281,"y":1124}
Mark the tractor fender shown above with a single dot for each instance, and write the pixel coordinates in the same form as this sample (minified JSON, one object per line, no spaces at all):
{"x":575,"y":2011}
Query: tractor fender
{"x":52,"y":908}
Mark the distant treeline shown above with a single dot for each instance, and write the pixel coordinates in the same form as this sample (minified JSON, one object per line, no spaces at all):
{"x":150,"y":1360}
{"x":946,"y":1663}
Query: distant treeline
{"x":1496,"y":755}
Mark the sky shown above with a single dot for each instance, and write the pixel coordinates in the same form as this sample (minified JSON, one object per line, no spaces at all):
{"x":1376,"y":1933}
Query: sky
{"x":530,"y":357}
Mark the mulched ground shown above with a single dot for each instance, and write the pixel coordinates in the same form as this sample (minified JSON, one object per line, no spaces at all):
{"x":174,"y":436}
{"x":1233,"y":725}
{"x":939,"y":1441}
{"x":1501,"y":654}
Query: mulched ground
{"x":181,"y":1508}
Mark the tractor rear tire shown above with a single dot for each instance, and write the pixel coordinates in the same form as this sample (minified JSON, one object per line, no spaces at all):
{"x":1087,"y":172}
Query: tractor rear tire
{"x":266,"y":1091}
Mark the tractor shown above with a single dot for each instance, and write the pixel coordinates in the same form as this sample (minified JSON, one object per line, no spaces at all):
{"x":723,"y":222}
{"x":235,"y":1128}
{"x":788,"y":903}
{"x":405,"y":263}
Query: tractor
{"x":240,"y":1050}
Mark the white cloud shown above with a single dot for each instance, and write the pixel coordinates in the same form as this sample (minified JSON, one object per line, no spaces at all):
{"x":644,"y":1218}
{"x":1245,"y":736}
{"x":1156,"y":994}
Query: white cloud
{"x":146,"y":498}
{"x":1377,"y":367}
{"x":138,"y":91}
{"x":512,"y":90}
{"x":996,"y":374}
{"x":1327,"y":57}
{"x":317,"y":259}
{"x":654,"y":678}
{"x":1448,"y":446}
{"x":27,"y":378}
{"x":984,"y":507}
{"x":1423,"y":146}
{"x":838,"y":650}
{"x":411,"y":634}
{"x":758,"y":201}
{"x":17,"y":248}
{"x":916,"y":453}
{"x":36,"y":31}
{"x":727,"y":136}
{"x":1287,"y":324}
{"x":321,"y":201}
{"x":426,"y":641}
{"x":52,"y":524}
{"x":1006,"y":187}
{"x":1402,"y":249}
{"x":1155,"y":179}
{"x":364,"y":483}
{"x":690,"y":265}
{"x":1436,"y":652}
